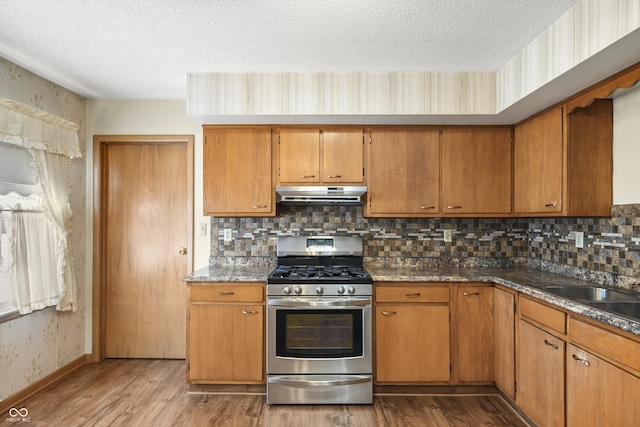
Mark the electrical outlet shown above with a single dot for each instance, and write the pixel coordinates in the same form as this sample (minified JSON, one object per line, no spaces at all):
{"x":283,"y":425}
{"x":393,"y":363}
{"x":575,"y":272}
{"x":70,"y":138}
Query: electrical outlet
{"x":228,"y":234}
{"x":448,"y":236}
{"x":579,"y":239}
{"x":203,"y":229}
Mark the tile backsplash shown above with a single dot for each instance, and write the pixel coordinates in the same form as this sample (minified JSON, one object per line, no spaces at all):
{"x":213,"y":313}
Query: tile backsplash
{"x":611,"y":245}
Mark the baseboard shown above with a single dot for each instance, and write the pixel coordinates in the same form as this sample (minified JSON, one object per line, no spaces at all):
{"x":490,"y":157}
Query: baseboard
{"x":15,"y":399}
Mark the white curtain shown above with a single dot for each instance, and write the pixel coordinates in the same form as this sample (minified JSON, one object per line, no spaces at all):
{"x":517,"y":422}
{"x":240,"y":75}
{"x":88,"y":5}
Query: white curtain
{"x":35,"y":284}
{"x":52,"y":141}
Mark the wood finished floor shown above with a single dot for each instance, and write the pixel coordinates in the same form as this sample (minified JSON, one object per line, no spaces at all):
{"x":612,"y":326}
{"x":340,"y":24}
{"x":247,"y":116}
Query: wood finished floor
{"x":154,"y":393}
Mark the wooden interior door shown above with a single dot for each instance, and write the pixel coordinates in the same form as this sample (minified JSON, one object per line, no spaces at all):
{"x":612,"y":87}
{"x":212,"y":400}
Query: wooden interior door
{"x":146,"y":209}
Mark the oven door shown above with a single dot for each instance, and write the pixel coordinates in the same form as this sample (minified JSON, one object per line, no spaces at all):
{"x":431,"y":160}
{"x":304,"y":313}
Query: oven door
{"x":319,"y":335}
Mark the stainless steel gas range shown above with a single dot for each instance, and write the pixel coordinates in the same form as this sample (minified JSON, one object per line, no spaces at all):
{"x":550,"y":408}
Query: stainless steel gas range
{"x":319,"y":323}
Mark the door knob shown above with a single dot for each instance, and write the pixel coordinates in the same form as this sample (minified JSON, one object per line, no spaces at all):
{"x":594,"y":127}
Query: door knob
{"x":182,"y":251}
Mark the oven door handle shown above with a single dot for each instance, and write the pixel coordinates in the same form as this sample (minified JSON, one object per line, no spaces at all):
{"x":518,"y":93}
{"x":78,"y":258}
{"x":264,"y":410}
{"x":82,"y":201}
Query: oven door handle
{"x":319,"y":303}
{"x":318,"y":383}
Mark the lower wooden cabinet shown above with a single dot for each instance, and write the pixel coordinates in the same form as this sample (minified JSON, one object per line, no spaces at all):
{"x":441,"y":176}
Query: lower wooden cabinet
{"x":412,"y":338}
{"x":598,"y":393}
{"x":225,"y":334}
{"x":504,"y":340}
{"x":540,"y":376}
{"x":475,"y":334}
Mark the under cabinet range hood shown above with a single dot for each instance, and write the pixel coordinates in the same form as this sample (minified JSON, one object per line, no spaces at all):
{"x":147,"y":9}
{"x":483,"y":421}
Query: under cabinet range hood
{"x":320,"y":195}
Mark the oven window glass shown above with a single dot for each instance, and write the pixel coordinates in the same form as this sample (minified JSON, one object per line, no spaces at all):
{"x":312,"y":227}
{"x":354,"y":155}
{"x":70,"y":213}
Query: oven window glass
{"x":319,"y":333}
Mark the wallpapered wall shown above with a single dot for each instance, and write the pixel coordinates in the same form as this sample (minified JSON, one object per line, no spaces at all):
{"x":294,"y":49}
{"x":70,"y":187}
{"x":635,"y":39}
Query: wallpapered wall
{"x":35,"y":345}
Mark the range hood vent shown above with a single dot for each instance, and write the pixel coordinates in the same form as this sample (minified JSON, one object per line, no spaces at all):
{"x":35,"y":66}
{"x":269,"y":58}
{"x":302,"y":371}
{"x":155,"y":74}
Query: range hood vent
{"x":319,"y":195}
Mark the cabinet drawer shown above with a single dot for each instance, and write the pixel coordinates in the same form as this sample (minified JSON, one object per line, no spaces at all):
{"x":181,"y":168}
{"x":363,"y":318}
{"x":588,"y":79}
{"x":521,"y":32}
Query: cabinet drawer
{"x":545,"y":315}
{"x":607,"y":343}
{"x":412,"y":294}
{"x":227,"y":293}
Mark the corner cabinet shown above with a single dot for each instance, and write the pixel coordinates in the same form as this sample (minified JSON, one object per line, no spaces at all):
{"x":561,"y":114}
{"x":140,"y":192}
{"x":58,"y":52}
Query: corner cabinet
{"x":563,"y":163}
{"x":235,"y":157}
{"x":225,"y":333}
{"x":320,"y":156}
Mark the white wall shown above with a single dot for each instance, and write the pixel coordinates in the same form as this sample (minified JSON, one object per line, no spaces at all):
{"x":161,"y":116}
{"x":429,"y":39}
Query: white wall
{"x":626,"y":146}
{"x":152,"y":117}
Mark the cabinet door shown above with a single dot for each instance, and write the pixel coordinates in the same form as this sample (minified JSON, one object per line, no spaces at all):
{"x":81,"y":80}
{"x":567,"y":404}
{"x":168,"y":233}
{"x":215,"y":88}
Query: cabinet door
{"x":300,"y":156}
{"x":538,"y":164}
{"x":343,"y":156}
{"x":540,"y":375}
{"x":599,"y":393}
{"x":504,"y":341}
{"x":412,"y":343}
{"x":234,"y":157}
{"x":226,"y":343}
{"x":476,"y":169}
{"x":475,"y":334}
{"x":404,"y":172}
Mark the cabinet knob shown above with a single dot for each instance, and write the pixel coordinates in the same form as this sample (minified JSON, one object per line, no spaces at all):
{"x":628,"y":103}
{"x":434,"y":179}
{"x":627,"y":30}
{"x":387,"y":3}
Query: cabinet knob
{"x":182,"y":251}
{"x":454,"y":207}
{"x":583,"y":361}
{"x":471,"y":294}
{"x":246,"y":312}
{"x":424,"y":208}
{"x":550,"y":344}
{"x":334,"y":176}
{"x":225,"y":293}
{"x":259,"y":206}
{"x":388,"y":313}
{"x":416,"y":295}
{"x":307,"y":176}
{"x":551,"y":205}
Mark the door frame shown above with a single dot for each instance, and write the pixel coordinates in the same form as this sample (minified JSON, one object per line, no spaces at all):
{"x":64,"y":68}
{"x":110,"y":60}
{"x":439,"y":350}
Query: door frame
{"x":100,"y":143}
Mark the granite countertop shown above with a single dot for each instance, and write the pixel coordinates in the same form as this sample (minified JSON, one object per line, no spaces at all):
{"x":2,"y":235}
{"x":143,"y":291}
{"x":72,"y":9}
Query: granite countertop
{"x":522,"y":279}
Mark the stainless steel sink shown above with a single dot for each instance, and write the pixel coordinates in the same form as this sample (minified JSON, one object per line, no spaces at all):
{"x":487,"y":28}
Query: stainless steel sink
{"x":626,"y":308}
{"x":591,"y":293}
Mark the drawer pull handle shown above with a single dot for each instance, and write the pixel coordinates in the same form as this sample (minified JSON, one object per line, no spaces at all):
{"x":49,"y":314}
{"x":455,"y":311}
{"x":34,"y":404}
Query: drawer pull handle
{"x":551,"y":205}
{"x":454,"y":207}
{"x":583,"y":361}
{"x":246,"y":313}
{"x":424,"y":208}
{"x":307,"y":176}
{"x":412,"y":295}
{"x":388,"y":313}
{"x":225,"y":293}
{"x":550,"y":344}
{"x":471,"y":294}
{"x":259,"y":206}
{"x":334,"y":176}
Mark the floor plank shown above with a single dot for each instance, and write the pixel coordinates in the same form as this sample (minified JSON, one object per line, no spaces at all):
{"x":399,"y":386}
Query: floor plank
{"x":154,"y":393}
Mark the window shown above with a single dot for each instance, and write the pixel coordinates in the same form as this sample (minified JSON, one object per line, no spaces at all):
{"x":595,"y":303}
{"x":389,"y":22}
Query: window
{"x":17,"y":191}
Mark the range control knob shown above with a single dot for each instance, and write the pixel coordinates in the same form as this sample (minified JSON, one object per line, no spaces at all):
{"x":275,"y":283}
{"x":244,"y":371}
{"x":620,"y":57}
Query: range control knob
{"x":340,"y":290}
{"x":297,"y":290}
{"x":287,"y":290}
{"x":319,"y":290}
{"x":351,"y":290}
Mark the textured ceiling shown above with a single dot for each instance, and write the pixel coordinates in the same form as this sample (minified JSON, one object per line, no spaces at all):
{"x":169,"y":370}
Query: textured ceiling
{"x":144,"y":49}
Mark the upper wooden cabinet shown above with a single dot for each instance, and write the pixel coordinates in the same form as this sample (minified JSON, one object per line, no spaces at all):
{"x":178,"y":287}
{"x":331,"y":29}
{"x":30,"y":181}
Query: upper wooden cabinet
{"x":476,"y":171}
{"x":321,"y":156}
{"x":238,"y":178}
{"x":563,"y":164}
{"x":404,"y":172}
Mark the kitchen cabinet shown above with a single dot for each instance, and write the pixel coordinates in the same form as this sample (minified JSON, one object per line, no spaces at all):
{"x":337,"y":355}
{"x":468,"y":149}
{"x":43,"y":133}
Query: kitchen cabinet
{"x":404,"y":172}
{"x":599,"y":393}
{"x":225,"y":333}
{"x":540,"y":372}
{"x":504,"y":313}
{"x":412,"y":343}
{"x":232,"y":158}
{"x":540,"y":380}
{"x":563,"y":163}
{"x":475,"y":333}
{"x":321,"y":156}
{"x":476,"y":171}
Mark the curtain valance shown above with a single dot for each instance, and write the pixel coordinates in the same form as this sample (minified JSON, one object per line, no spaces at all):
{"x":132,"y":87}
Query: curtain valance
{"x":29,"y":127}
